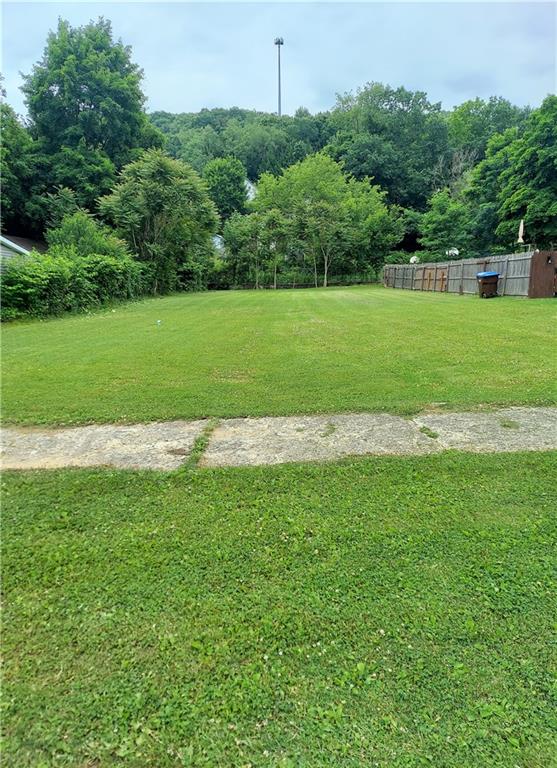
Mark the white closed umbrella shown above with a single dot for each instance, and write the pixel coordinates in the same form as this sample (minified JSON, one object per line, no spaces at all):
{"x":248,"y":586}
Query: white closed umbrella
{"x":521,"y":232}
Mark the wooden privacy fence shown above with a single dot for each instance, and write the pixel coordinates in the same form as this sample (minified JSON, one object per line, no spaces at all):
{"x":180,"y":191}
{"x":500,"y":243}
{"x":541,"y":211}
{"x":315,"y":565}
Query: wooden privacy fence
{"x":530,"y":274}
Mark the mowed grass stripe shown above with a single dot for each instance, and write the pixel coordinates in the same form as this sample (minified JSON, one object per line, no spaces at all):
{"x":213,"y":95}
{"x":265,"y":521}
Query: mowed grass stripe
{"x":278,"y":353}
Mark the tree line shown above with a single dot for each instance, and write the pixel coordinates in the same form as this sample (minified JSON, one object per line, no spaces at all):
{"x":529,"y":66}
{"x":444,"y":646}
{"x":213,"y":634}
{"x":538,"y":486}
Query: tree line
{"x":384,"y":174}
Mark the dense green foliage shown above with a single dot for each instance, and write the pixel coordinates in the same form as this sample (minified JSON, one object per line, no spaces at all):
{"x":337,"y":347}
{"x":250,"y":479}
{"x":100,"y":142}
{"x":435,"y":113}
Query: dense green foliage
{"x":86,"y":119}
{"x":424,"y":159}
{"x":226,"y":183}
{"x":263,"y":143}
{"x":260,"y":353}
{"x":49,"y":284}
{"x":162,"y":209}
{"x":472,"y":124}
{"x":86,"y":90}
{"x":516,"y":180}
{"x":82,"y":233}
{"x":311,"y":221}
{"x":407,"y":145}
{"x":393,"y":135}
{"x":403,"y":175}
{"x":373,"y":611}
{"x":529,"y":183}
{"x":443,"y":226}
{"x":15,"y":165}
{"x":86,"y":266}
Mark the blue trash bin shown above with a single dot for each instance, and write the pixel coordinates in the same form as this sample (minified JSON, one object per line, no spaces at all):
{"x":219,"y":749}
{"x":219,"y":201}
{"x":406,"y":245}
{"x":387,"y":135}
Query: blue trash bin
{"x":487,"y":284}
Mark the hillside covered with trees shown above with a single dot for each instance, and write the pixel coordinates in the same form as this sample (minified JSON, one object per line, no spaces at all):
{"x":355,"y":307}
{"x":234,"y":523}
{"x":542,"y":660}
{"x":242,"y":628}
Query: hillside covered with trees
{"x":130,"y":202}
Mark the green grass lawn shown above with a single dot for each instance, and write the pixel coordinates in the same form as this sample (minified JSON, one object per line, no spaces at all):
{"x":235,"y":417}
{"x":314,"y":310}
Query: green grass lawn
{"x":367,"y":613}
{"x":276,"y":353}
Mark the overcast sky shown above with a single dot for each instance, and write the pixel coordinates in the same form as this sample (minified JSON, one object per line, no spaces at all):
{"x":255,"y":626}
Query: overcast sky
{"x":221,"y":54}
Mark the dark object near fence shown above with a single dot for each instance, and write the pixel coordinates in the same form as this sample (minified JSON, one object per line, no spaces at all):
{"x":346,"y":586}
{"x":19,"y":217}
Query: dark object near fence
{"x":532,"y":274}
{"x":487,"y":284}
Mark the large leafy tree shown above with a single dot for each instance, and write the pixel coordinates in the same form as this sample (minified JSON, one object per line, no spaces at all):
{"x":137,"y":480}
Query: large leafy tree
{"x":445,"y":226}
{"x":257,"y":244}
{"x":528,"y":185}
{"x":482,"y":191}
{"x":16,"y":167}
{"x":245,"y":249}
{"x":161,"y":208}
{"x":226,"y":181}
{"x":393,"y":135}
{"x":517,"y":179}
{"x":373,"y":156}
{"x":86,"y":116}
{"x":474,"y":122}
{"x":344,"y":223}
{"x":86,"y":89}
{"x":318,"y":178}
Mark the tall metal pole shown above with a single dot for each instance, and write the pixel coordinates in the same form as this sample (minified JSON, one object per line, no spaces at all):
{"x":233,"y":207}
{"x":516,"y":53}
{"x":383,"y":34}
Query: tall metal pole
{"x":278,"y":42}
{"x":279,"y":104}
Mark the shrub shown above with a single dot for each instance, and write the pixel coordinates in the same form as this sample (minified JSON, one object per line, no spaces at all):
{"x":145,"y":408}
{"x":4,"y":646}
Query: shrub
{"x":45,"y":284}
{"x":39,"y":285}
{"x":113,"y":278}
{"x":402,"y":257}
{"x":86,"y":236}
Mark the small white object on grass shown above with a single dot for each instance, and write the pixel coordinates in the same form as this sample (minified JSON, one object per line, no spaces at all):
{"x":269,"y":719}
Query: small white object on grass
{"x":158,"y":322}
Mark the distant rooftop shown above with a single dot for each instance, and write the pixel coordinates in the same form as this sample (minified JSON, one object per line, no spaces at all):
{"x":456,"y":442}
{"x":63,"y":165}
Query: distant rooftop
{"x":25,"y":243}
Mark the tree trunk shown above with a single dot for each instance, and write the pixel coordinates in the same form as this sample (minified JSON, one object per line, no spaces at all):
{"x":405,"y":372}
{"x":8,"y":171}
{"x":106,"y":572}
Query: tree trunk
{"x":275,"y":277}
{"x":256,"y":274}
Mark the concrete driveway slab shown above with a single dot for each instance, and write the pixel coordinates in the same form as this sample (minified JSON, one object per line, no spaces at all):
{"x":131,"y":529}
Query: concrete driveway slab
{"x":276,"y":440}
{"x":160,"y":445}
{"x":509,"y":429}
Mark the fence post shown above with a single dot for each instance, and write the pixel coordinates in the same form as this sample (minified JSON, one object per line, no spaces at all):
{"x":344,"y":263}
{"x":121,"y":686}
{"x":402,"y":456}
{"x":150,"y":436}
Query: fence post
{"x":435,"y":280}
{"x":505,"y":275}
{"x":461,"y":286}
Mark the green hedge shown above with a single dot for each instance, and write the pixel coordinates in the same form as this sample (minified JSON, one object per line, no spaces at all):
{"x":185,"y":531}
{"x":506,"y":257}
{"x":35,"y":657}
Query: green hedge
{"x":39,"y":285}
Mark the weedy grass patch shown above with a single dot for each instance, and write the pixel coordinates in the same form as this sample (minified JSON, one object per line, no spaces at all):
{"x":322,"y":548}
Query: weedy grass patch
{"x":380,"y":612}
